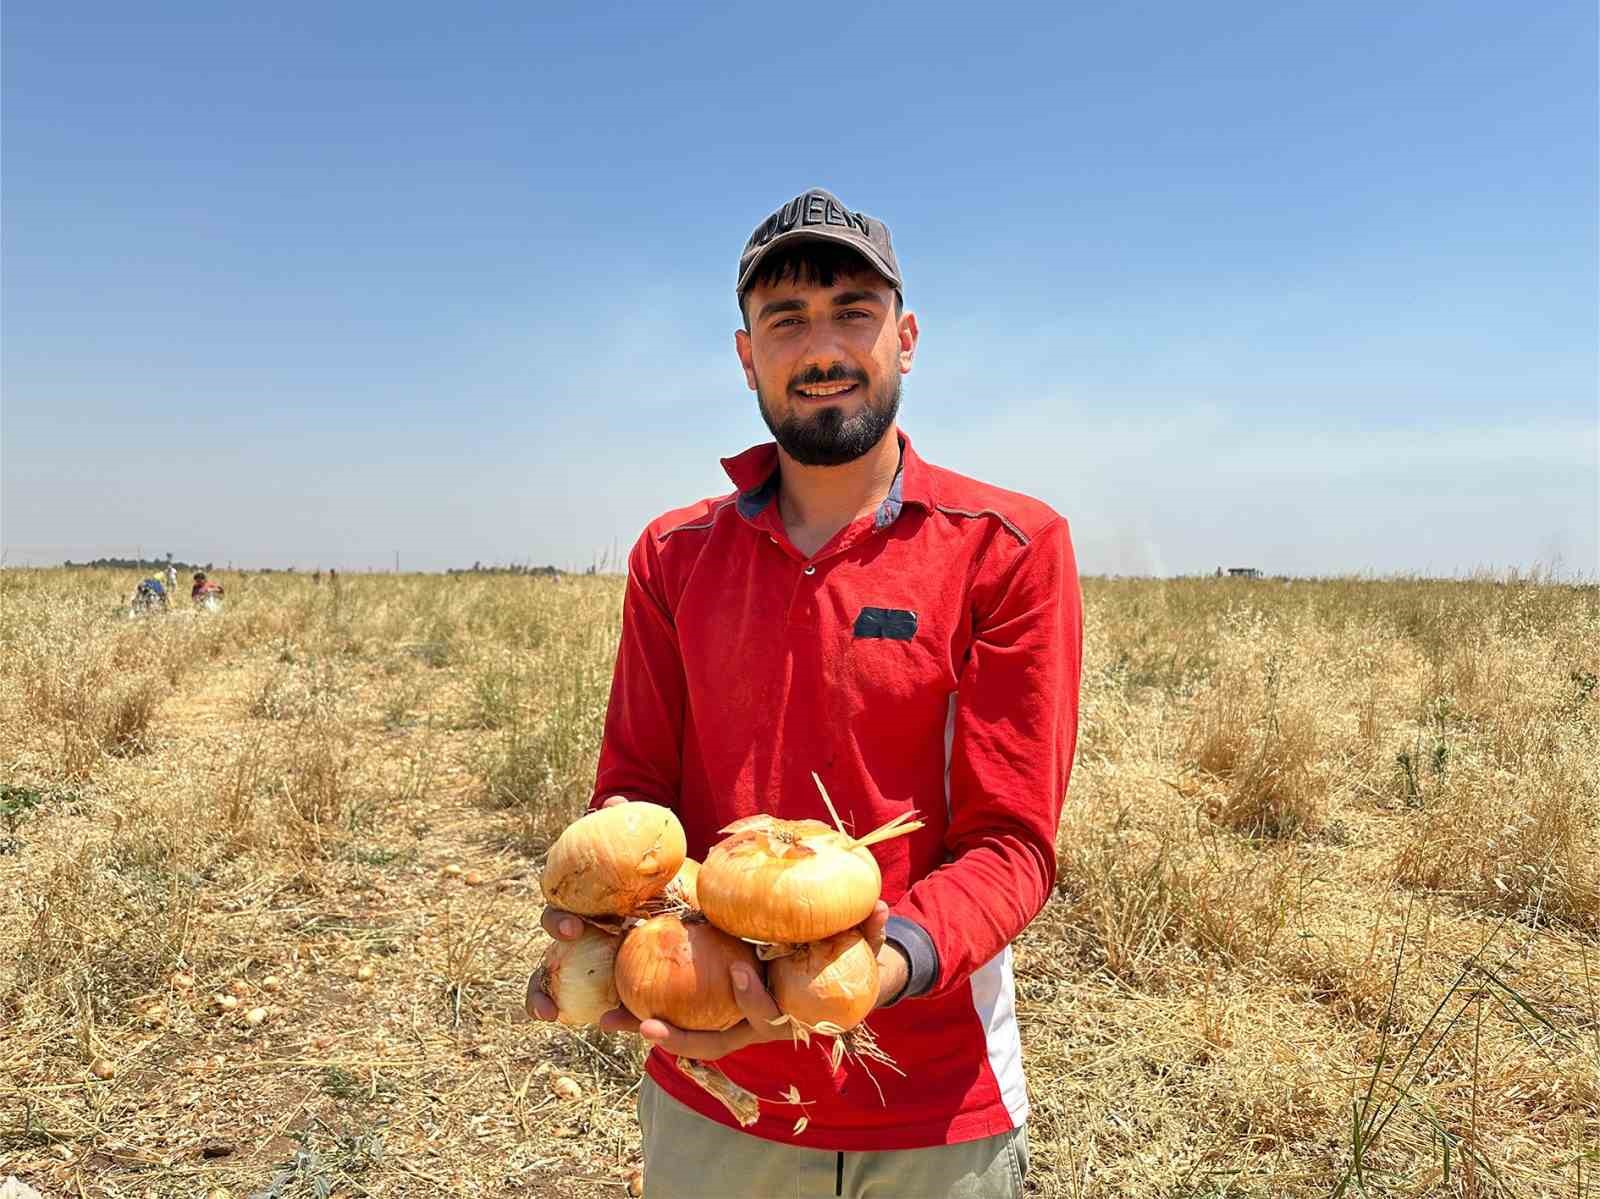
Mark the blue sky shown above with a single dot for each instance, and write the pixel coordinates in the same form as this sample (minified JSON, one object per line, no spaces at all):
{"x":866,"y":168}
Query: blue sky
{"x":1304,"y":286}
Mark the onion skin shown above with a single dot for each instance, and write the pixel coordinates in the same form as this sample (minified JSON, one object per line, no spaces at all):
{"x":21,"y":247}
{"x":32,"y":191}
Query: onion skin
{"x":580,"y":976}
{"x":787,"y":881}
{"x":834,"y":981}
{"x":610,"y":861}
{"x":678,"y":971}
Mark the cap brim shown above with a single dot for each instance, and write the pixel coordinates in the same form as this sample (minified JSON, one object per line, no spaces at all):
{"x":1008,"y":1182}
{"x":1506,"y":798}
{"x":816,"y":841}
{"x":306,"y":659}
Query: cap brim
{"x":868,"y":254}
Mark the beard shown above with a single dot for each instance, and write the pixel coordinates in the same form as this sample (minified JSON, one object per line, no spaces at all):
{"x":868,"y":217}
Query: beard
{"x":828,"y":437}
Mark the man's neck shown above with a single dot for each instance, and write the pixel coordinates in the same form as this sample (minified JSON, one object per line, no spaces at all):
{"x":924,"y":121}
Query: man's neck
{"x":815,"y":502}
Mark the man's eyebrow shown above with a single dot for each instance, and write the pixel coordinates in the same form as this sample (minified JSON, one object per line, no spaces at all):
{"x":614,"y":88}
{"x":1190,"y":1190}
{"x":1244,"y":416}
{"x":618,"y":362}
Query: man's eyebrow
{"x":773,"y":306}
{"x":855,"y":297}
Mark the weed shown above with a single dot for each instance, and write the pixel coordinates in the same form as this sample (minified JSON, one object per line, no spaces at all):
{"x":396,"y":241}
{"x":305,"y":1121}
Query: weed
{"x":17,"y":804}
{"x":399,"y":702}
{"x":496,"y":686}
{"x":314,"y":1173}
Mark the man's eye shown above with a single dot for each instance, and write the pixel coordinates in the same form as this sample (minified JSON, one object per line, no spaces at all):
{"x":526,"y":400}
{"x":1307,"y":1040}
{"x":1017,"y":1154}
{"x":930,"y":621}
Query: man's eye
{"x":851,"y":314}
{"x":788,"y":320}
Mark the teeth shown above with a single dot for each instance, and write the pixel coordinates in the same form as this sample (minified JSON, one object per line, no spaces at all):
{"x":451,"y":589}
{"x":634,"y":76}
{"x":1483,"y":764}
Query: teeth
{"x":831,"y":390}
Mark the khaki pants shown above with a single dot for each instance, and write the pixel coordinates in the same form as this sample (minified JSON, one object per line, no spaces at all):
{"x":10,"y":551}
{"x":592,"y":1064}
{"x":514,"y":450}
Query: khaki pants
{"x":687,"y":1156}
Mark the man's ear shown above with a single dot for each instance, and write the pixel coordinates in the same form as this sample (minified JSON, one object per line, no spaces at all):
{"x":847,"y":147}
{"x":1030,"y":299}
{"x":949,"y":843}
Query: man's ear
{"x":907,"y":330}
{"x":741,"y":344}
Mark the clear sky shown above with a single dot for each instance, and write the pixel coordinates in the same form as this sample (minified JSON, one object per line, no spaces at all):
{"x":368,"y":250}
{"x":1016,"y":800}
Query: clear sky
{"x":1310,"y":287}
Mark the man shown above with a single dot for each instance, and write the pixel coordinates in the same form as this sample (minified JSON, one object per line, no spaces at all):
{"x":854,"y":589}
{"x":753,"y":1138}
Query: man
{"x":205,"y":592}
{"x":911,"y":635}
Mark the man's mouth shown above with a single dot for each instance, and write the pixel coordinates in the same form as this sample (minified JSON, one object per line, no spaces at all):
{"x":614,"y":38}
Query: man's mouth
{"x":824,"y":391}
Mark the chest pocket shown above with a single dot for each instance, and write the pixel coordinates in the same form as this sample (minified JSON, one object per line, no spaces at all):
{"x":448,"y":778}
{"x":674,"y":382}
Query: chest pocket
{"x":898,"y":667}
{"x":888,"y":624}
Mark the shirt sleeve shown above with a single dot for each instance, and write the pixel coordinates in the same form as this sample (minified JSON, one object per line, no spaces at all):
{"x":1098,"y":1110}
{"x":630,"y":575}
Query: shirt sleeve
{"x":1014,"y":735}
{"x":641,"y":748}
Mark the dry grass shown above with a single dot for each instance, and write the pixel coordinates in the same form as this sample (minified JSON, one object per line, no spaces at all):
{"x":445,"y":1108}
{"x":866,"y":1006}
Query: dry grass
{"x":1327,"y":920}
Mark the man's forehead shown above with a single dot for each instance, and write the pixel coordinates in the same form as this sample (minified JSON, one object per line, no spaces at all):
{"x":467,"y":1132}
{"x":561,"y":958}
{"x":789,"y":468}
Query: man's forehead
{"x":853,"y":283}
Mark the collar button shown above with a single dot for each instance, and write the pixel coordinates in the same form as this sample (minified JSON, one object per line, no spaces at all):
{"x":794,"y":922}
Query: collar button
{"x":811,"y":570}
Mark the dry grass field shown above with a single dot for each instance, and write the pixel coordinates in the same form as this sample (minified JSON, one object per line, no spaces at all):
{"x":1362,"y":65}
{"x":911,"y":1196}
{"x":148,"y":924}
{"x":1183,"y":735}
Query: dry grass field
{"x":1327,"y":920}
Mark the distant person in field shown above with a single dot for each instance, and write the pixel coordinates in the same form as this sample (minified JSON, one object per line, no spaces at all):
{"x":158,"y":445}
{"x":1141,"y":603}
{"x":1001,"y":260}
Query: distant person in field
{"x":172,"y":579}
{"x":205,"y":590}
{"x":149,"y":596}
{"x":912,"y":635}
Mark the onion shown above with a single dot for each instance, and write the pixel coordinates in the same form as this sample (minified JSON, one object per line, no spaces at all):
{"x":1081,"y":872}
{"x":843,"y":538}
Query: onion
{"x":676,"y":970}
{"x":612,"y":860}
{"x":579,"y":976}
{"x":566,"y":1087}
{"x":787,"y":880}
{"x":830,"y":984}
{"x":682,"y":888}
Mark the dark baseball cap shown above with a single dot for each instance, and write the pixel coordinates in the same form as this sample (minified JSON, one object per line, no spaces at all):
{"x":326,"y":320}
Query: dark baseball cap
{"x":818,"y":215}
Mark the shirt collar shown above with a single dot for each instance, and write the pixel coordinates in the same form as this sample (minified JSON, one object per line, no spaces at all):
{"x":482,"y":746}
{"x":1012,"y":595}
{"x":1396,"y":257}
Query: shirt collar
{"x":755,"y":474}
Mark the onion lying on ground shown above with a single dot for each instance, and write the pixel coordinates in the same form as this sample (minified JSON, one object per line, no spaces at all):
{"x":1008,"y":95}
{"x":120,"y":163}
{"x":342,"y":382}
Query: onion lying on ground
{"x":579,"y":976}
{"x":610,"y":861}
{"x":677,"y":970}
{"x":829,"y":985}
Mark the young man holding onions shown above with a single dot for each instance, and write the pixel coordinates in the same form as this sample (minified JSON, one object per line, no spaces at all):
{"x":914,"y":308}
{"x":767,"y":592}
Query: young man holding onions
{"x":914,"y":637}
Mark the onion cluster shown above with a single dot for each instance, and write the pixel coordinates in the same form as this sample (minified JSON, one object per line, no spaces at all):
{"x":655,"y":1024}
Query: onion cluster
{"x":795,"y":889}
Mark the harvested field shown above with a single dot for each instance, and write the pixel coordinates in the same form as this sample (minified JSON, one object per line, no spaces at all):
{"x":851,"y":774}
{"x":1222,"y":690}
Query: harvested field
{"x":1327,"y":918}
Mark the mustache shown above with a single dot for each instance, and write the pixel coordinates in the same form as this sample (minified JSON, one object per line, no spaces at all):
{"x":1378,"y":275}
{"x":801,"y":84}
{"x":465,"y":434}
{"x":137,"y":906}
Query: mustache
{"x":837,"y":373}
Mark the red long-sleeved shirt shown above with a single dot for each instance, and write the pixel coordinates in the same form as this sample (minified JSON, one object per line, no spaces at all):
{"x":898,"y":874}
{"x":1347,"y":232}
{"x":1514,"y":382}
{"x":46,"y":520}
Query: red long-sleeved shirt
{"x":927,"y":657}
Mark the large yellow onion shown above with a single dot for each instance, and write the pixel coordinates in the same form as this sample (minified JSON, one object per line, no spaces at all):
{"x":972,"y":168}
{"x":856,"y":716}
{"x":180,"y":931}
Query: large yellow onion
{"x":579,"y":976}
{"x":833,"y":981}
{"x":611,"y":861}
{"x":677,"y":970}
{"x":787,"y":880}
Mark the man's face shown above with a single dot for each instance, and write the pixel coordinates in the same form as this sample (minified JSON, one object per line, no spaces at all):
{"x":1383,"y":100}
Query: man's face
{"x":825,"y":363}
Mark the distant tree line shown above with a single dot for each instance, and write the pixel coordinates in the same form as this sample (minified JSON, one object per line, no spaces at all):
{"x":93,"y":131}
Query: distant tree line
{"x":156,"y":564}
{"x":516,"y":568}
{"x":159,"y":565}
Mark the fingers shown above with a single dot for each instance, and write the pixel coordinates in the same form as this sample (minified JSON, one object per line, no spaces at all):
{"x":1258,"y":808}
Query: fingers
{"x":703,"y":1046}
{"x":757,"y":1004}
{"x":539,"y":1005}
{"x":619,"y":1019}
{"x":872,"y":928}
{"x":613,"y":801}
{"x":563,"y":926}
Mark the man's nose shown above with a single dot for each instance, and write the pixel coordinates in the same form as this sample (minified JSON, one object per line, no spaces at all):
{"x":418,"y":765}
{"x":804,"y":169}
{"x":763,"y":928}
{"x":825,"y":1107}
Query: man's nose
{"x":824,"y":345}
